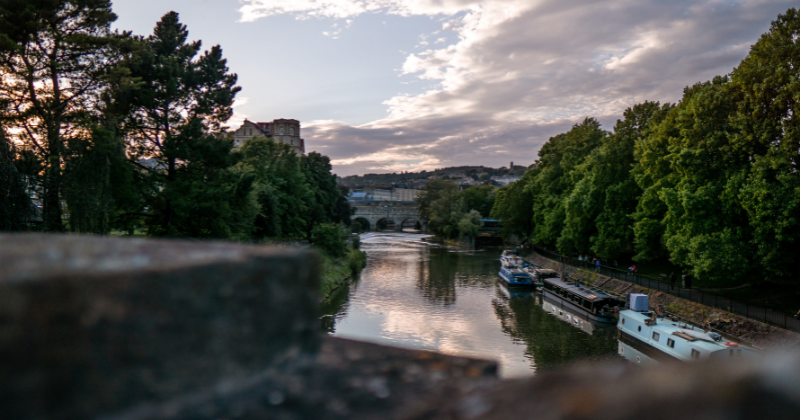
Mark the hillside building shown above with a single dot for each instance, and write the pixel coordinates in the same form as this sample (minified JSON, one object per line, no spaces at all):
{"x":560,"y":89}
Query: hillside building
{"x":281,"y":130}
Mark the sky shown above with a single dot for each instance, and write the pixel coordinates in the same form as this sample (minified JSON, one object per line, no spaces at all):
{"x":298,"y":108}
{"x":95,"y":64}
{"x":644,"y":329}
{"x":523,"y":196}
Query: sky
{"x":405,"y":85}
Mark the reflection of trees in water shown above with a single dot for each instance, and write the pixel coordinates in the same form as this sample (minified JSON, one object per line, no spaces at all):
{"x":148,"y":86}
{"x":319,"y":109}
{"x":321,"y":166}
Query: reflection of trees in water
{"x":444,"y":269}
{"x":550,"y":341}
{"x":335,"y":307}
{"x":437,"y":276}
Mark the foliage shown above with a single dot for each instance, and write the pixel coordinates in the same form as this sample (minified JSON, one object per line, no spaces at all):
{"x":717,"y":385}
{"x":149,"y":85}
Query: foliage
{"x":280,"y":185}
{"x":514,"y":206}
{"x":479,"y":198}
{"x":440,"y":203}
{"x":710,"y":183}
{"x":53,"y":58}
{"x":330,"y":238}
{"x":470,"y":224}
{"x":179,"y":99}
{"x":325,"y":201}
{"x":15,"y":204}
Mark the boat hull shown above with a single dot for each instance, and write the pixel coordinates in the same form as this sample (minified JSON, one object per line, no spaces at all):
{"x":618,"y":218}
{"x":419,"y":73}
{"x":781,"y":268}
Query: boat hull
{"x":577,"y":309}
{"x":514,"y":282}
{"x":646,"y":349}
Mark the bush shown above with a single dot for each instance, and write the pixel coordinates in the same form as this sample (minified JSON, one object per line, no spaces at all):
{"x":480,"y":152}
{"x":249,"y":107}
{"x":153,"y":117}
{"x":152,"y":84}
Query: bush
{"x":330,"y":238}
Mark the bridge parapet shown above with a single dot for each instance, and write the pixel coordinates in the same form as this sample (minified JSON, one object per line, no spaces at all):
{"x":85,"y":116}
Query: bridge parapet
{"x":399,"y":213}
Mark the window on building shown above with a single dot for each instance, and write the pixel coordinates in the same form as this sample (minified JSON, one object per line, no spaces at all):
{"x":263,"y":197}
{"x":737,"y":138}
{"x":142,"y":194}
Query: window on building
{"x":695,"y":354}
{"x":281,"y":130}
{"x":291,"y":130}
{"x":671,"y":343}
{"x":656,"y":336}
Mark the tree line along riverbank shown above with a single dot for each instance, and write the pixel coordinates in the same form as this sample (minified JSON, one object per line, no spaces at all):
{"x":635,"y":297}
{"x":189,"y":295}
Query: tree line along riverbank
{"x":762,"y":335}
{"x":126,"y":136}
{"x":707,"y":186}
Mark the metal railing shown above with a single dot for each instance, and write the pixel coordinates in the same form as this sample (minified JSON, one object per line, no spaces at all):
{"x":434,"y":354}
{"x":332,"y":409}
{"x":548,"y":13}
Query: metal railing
{"x":745,"y":309}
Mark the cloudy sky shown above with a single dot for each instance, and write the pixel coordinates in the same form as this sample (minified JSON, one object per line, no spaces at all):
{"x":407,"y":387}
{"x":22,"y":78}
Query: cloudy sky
{"x":405,"y":85}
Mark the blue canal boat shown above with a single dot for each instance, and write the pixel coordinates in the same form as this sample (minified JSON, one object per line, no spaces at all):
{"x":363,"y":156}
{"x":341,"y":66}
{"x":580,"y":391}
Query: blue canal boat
{"x":516,"y":277}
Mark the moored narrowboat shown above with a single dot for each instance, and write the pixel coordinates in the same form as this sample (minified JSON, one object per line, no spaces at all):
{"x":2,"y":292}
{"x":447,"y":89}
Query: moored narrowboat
{"x":515,"y":277}
{"x":664,"y":339}
{"x":589,"y":302}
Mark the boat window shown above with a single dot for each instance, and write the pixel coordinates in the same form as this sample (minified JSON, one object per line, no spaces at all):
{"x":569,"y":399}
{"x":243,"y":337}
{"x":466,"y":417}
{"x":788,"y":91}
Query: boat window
{"x":695,"y":354}
{"x":623,"y":321}
{"x":640,"y":327}
{"x":730,"y":352}
{"x":671,"y":343}
{"x":738,"y":352}
{"x":656,"y":336}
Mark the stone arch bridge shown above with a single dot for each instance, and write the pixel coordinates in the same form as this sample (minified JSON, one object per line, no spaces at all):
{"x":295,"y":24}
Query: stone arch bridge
{"x":401,"y":214}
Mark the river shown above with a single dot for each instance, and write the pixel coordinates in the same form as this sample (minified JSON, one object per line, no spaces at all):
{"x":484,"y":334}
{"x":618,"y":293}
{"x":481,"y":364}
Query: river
{"x":418,"y":294}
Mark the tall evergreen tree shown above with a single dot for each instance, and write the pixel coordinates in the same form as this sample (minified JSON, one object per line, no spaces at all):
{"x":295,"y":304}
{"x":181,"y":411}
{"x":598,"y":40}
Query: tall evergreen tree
{"x":52,"y":56}
{"x":180,"y":100}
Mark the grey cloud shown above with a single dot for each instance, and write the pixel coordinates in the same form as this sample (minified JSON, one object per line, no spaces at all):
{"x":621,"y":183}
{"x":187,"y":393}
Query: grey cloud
{"x":536,"y":75}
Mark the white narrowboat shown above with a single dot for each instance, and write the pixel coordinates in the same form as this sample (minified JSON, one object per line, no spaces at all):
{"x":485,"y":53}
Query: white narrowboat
{"x":664,"y":339}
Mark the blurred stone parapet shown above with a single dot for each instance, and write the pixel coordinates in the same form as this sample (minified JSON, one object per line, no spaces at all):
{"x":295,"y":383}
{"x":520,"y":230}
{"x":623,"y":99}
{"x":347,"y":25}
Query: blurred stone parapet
{"x":91,"y":325}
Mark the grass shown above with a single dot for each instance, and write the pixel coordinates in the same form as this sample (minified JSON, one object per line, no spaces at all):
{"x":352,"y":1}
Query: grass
{"x":337,"y":272}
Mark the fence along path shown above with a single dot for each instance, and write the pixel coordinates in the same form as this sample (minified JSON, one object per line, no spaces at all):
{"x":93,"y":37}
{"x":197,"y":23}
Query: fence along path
{"x":745,"y":309}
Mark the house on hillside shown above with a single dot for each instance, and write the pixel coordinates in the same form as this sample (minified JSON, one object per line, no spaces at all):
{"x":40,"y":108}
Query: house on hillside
{"x":281,"y":130}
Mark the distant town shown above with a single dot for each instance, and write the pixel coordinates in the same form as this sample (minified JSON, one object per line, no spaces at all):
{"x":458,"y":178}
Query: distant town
{"x":405,"y":186}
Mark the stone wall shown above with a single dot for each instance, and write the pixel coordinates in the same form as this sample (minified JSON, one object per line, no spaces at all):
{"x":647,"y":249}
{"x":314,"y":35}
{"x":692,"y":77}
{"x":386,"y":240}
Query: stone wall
{"x":132,"y":329}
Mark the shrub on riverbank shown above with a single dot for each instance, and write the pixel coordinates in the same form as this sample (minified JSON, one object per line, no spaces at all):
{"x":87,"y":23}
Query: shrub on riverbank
{"x":342,"y":257}
{"x":337,"y":272}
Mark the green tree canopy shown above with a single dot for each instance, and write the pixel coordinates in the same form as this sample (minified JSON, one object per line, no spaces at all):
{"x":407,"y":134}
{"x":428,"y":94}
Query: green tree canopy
{"x":53,"y":58}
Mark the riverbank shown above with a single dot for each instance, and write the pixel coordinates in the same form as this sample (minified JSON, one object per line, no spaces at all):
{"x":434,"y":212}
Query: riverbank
{"x":338,"y":272}
{"x":758,"y":333}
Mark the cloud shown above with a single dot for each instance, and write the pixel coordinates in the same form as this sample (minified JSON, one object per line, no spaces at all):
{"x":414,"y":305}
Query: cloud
{"x":520,"y":71}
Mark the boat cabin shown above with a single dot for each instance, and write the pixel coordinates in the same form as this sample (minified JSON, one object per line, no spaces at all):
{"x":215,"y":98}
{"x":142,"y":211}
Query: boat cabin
{"x":590,"y":299}
{"x":678,"y":341}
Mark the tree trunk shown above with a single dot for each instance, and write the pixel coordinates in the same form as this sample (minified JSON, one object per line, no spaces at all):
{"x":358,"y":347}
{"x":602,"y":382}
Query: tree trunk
{"x":51,"y":202}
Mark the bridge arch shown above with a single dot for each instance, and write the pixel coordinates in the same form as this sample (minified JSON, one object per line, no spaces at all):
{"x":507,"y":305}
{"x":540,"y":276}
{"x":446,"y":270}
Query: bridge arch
{"x":409,"y":223}
{"x":361,"y":224}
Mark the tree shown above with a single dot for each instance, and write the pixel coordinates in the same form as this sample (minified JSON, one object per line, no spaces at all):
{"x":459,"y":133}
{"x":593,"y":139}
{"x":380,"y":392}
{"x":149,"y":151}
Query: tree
{"x":325,"y":201}
{"x":330,"y":238}
{"x":513,"y":205}
{"x":611,"y":184}
{"x":180,"y":99}
{"x":15,"y":204}
{"x":53,"y":56}
{"x":441,"y":204}
{"x":768,"y":130}
{"x":705,"y":227}
{"x":470,"y":224}
{"x":281,"y":188}
{"x":556,"y":177}
{"x":480,"y":198}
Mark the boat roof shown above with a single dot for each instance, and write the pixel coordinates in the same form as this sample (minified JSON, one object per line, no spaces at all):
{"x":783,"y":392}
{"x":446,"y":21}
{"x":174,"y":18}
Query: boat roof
{"x":669,"y":327}
{"x":546,"y":270}
{"x":583,"y":291}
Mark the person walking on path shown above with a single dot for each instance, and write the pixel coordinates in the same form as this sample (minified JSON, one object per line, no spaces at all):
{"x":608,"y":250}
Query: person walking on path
{"x":672,"y":280}
{"x":597,"y":265}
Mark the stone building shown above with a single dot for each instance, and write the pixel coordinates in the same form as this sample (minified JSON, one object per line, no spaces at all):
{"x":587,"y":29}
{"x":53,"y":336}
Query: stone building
{"x":281,"y":130}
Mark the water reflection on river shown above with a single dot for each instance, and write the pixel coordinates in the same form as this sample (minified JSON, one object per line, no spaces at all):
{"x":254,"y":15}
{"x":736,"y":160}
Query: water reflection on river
{"x":427,"y":296}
